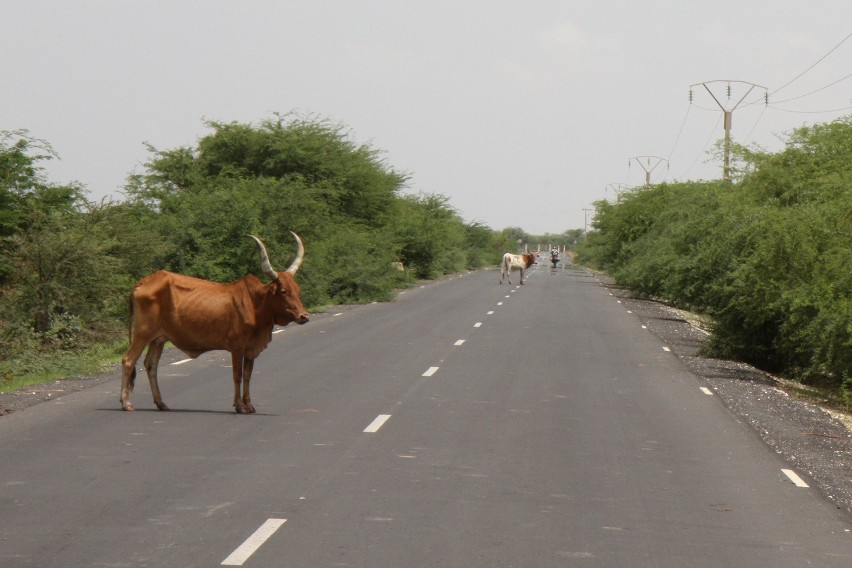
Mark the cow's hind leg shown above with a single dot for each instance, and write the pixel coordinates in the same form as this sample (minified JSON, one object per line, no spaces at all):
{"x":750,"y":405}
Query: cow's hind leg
{"x":128,"y":372}
{"x":152,"y":360}
{"x":522,"y":275}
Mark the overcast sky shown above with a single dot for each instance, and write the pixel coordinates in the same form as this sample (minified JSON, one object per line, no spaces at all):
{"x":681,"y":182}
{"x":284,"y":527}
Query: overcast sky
{"x":521,"y":112}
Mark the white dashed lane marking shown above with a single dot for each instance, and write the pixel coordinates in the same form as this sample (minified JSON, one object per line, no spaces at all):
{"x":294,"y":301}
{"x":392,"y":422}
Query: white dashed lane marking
{"x":252,"y":543}
{"x":706,"y":391}
{"x":430,"y":371}
{"x":797,"y":481}
{"x":182,"y":361}
{"x":377,"y":423}
{"x":459,"y":342}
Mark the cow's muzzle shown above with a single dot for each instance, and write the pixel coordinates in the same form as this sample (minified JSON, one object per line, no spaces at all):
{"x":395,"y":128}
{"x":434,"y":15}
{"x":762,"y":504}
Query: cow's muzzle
{"x":303,"y":319}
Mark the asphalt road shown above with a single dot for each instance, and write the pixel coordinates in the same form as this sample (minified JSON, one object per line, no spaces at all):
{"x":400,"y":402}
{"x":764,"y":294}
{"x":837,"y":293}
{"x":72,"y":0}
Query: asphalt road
{"x":465,"y":424}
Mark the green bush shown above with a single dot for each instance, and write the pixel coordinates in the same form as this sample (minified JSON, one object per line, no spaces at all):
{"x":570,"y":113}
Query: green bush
{"x":767,"y":257}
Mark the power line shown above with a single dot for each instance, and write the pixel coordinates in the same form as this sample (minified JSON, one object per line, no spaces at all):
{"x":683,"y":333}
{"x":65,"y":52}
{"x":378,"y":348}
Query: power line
{"x":810,"y":111}
{"x":704,"y":148}
{"x":682,"y":124}
{"x":762,"y":112}
{"x":813,"y":92}
{"x":812,"y":66}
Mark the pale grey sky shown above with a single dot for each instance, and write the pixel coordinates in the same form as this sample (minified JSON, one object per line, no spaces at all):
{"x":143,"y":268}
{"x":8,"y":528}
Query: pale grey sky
{"x":521,"y":112}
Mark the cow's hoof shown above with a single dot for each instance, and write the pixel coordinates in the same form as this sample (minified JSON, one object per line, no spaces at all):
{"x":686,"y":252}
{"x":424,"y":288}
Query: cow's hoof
{"x":127,"y":406}
{"x":162,"y":406}
{"x":241,"y":409}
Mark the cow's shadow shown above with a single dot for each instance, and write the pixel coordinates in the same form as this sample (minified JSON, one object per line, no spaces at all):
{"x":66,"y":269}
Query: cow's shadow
{"x":187,"y":411}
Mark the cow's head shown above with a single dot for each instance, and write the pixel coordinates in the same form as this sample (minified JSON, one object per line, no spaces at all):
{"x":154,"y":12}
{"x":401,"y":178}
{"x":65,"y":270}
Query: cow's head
{"x":286,"y":295}
{"x":529,"y":258}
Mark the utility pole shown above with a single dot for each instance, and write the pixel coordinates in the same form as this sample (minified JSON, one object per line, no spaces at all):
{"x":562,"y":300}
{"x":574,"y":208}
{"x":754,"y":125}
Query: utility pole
{"x":729,"y":113}
{"x":585,"y":223}
{"x":657,"y":161}
{"x":617,"y":188}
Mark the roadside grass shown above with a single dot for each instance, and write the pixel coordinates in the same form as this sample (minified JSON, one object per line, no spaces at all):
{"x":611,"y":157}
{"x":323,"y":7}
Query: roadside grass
{"x":35,"y":368}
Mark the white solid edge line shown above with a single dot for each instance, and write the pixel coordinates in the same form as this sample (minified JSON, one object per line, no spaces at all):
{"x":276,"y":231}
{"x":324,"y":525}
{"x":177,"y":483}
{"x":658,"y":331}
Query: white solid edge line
{"x":797,"y":481}
{"x":706,"y":391}
{"x":377,"y":423}
{"x":430,"y":371}
{"x":666,"y":349}
{"x":252,"y":543}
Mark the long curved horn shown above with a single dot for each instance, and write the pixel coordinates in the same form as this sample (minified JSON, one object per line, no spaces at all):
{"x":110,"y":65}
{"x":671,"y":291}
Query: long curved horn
{"x":265,"y":265}
{"x":300,"y":255}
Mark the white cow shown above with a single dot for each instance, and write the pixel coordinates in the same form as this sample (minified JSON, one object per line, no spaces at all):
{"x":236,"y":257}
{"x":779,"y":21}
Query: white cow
{"x":516,"y":262}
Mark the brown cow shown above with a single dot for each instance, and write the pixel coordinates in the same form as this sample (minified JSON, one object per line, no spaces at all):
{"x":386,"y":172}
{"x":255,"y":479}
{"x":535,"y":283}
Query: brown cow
{"x":516,"y":261}
{"x":199,"y":316}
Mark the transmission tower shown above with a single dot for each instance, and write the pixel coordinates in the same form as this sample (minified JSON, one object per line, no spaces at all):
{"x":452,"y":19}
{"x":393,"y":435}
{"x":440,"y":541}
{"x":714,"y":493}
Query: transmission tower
{"x":648,"y":168}
{"x":617,"y":189}
{"x":729,"y":112}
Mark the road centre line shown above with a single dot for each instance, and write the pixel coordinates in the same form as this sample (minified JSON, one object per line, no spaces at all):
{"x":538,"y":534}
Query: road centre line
{"x":478,"y":324}
{"x":499,"y":303}
{"x":252,"y":543}
{"x":430,"y":371}
{"x":490,"y":312}
{"x":377,"y":423}
{"x":797,"y":481}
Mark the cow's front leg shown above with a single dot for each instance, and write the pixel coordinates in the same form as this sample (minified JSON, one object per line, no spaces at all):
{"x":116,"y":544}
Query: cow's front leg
{"x":522,"y":275}
{"x":248,"y":366}
{"x":237,"y":374}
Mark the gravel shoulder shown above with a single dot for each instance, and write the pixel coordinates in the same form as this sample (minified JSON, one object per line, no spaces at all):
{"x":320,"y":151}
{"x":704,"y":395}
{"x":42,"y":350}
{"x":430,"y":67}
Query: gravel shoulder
{"x":816,"y":442}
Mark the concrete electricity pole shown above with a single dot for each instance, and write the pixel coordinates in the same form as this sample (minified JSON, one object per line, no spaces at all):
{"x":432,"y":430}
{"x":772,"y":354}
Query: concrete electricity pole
{"x":649,"y":168}
{"x":586,"y":223}
{"x":726,"y":167}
